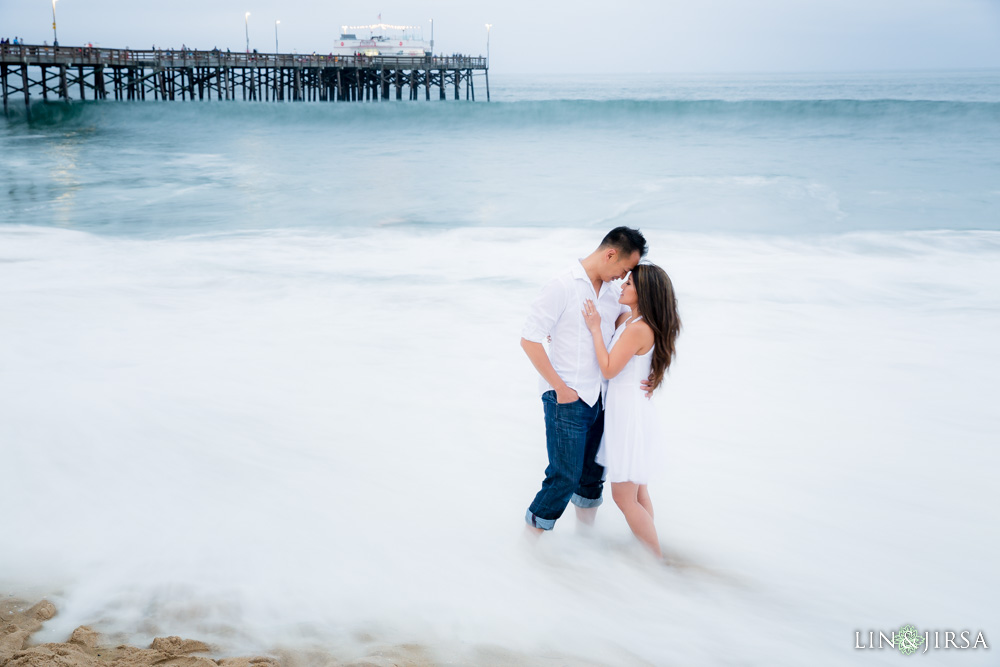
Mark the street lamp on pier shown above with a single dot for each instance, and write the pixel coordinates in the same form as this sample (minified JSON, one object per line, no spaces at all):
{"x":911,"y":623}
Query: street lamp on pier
{"x":55,"y":37}
{"x":488,"y":26}
{"x":246,"y":25}
{"x":432,"y":38}
{"x":276,"y":37}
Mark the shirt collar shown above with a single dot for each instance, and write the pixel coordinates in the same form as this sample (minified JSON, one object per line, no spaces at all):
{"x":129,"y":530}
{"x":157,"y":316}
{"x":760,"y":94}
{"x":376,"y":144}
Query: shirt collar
{"x":579,"y":273}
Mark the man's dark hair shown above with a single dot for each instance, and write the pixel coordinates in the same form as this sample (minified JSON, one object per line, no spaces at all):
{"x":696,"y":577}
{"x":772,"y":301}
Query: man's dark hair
{"x":626,"y":241}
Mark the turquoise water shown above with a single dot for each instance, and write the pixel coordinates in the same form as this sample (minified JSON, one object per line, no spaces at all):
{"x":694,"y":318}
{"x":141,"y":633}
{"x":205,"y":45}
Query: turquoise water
{"x":777,"y":155}
{"x":261,"y":381}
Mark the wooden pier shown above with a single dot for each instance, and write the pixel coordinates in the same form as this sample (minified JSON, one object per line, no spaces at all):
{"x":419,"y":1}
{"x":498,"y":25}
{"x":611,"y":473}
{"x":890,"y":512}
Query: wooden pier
{"x":66,"y":73}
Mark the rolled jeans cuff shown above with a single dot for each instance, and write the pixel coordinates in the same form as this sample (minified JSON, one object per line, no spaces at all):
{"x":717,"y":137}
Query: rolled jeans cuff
{"x":586,"y":503}
{"x":539,"y":522}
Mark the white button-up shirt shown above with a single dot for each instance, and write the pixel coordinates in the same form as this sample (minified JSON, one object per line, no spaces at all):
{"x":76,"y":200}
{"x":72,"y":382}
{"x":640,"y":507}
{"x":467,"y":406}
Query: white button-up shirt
{"x":557,"y":312}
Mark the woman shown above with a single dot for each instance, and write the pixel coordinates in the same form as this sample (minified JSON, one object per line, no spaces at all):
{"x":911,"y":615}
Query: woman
{"x":642,"y":347}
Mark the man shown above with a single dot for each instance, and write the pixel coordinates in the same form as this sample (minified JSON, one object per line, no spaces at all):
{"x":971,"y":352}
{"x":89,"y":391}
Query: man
{"x":571,"y":379}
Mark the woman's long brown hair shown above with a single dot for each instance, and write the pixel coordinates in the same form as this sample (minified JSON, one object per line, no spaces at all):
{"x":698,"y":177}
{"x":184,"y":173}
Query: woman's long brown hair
{"x":658,"y":307}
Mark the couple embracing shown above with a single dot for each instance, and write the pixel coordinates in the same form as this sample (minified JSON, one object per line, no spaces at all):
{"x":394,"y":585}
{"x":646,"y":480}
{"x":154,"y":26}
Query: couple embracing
{"x":609,"y":347}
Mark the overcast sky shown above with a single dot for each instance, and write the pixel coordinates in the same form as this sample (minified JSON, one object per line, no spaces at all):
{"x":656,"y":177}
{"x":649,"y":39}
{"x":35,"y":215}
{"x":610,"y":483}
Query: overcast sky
{"x":582,"y":36}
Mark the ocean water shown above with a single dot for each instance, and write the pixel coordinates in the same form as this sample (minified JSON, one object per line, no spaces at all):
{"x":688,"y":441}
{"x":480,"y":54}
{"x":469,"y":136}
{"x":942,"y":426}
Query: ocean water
{"x":261,"y":382}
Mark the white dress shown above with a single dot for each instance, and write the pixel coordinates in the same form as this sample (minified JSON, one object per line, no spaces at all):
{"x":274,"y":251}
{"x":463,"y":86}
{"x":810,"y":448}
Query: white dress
{"x":630,"y":449}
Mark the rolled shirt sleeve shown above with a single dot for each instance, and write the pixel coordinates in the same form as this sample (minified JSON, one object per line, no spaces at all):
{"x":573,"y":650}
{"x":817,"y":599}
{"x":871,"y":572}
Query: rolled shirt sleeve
{"x":544,"y":312}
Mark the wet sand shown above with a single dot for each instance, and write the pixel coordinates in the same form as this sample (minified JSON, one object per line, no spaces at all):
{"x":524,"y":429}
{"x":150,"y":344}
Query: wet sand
{"x":86,"y":647}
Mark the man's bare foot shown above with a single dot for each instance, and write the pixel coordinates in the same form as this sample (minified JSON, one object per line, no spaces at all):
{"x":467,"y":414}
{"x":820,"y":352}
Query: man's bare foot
{"x":533,"y":532}
{"x":587,"y":515}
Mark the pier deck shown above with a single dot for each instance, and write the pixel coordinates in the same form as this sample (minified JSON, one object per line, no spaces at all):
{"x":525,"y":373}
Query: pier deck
{"x":61,"y":72}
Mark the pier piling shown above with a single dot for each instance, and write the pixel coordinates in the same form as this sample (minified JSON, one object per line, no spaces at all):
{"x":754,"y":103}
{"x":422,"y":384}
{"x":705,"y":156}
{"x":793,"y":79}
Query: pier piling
{"x":27,"y":94}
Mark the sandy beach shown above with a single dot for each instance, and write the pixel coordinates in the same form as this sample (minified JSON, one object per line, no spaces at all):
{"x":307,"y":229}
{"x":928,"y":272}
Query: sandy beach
{"x":87,"y":647}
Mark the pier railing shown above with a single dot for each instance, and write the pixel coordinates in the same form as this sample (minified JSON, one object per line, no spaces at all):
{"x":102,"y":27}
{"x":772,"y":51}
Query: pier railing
{"x":94,"y":56}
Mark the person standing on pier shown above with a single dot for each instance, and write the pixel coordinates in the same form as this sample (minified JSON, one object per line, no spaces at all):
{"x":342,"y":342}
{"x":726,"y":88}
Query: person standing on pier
{"x":571,"y":380}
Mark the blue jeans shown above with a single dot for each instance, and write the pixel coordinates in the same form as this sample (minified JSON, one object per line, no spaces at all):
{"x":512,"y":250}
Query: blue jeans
{"x":573,"y":433}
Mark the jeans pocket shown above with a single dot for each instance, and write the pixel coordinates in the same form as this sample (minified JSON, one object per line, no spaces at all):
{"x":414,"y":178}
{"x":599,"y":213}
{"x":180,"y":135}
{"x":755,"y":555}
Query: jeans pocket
{"x":571,"y":414}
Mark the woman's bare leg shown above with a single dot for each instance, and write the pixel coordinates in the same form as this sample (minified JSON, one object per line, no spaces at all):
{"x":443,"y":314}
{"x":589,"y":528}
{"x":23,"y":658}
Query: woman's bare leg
{"x":643,"y":498}
{"x":626,"y":496}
